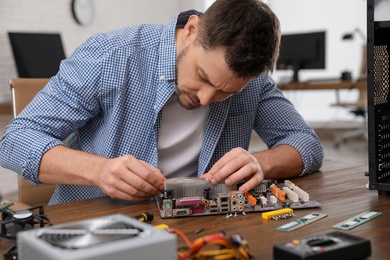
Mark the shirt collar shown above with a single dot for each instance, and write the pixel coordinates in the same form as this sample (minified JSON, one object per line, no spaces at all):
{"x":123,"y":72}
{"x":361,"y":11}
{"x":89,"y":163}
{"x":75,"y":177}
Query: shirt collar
{"x":167,"y":56}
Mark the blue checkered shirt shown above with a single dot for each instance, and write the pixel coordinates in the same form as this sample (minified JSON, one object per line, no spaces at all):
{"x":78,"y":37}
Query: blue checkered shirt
{"x":107,"y":99}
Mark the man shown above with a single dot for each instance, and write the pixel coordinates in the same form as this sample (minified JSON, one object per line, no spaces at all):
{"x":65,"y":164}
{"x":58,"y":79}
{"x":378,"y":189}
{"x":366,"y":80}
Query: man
{"x":151,"y":102}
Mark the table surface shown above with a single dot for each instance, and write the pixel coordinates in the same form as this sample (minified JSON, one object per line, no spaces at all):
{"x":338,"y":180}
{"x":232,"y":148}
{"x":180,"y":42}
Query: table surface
{"x":339,"y":187}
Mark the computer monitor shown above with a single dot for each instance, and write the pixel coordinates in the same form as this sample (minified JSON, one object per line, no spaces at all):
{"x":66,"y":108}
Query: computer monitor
{"x":37,"y":55}
{"x":302,"y":51}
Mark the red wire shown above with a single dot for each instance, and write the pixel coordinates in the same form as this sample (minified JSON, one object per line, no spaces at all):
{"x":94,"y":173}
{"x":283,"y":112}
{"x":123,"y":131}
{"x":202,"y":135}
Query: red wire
{"x":195,"y":247}
{"x":182,"y":235}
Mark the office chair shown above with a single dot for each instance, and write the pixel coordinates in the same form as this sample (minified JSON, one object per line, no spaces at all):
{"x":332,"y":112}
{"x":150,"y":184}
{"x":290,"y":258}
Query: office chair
{"x":23,"y":91}
{"x":359,"y":107}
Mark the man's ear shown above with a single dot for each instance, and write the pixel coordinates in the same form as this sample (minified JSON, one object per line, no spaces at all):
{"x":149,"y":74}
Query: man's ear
{"x":191,"y":28}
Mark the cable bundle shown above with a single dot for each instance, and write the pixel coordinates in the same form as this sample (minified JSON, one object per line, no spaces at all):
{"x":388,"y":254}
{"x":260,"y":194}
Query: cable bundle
{"x":215,"y":246}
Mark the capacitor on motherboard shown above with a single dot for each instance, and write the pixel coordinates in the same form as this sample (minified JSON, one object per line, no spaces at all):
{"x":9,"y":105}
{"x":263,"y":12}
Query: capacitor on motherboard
{"x":206,"y":193}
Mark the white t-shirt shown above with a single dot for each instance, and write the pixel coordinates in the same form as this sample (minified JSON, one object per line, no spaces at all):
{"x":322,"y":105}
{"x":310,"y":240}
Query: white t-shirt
{"x":181,"y":138}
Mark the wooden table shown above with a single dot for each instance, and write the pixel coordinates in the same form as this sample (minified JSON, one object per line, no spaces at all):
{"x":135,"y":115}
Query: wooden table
{"x":336,"y":85}
{"x":320,"y":85}
{"x":339,"y":187}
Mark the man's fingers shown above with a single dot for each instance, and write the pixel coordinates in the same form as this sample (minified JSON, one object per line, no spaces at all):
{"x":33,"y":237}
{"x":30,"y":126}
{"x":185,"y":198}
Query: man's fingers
{"x":128,"y":178}
{"x":235,"y":166}
{"x":156,"y":172}
{"x":151,"y":176}
{"x":251,"y":183}
{"x":229,"y":164}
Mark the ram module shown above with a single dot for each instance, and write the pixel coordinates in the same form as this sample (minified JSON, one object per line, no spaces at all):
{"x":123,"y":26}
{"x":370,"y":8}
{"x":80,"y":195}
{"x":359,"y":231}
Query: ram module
{"x":300,"y":222}
{"x":357,"y":220}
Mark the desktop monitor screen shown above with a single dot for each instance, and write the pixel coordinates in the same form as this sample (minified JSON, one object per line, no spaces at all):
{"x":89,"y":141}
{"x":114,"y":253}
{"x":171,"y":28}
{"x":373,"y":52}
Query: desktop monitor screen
{"x":37,"y":55}
{"x":302,"y":51}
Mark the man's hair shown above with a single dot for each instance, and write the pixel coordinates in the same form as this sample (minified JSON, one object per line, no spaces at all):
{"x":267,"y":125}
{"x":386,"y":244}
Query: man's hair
{"x":247,"y":29}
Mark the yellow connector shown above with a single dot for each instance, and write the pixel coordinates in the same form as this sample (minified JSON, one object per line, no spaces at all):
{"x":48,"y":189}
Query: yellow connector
{"x":279,"y":213}
{"x":162,"y":226}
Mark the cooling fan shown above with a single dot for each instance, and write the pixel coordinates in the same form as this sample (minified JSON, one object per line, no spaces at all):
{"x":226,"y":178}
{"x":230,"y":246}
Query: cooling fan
{"x":112,"y":237}
{"x":13,"y":222}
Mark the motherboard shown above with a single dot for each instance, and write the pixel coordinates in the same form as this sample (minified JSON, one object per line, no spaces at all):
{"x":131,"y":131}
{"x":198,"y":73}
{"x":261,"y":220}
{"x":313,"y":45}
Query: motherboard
{"x":186,"y":196}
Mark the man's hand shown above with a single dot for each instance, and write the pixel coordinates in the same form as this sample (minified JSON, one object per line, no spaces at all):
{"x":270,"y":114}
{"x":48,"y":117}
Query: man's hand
{"x":235,"y":166}
{"x":129,"y":179}
{"x":124,"y":177}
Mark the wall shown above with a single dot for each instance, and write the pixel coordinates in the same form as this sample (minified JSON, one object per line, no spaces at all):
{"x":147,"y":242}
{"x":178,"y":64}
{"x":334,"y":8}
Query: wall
{"x":336,"y":18}
{"x":56,"y":16}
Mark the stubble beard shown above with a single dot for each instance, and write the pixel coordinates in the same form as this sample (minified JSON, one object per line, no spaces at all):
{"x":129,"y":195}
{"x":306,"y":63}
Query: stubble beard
{"x":181,"y":93}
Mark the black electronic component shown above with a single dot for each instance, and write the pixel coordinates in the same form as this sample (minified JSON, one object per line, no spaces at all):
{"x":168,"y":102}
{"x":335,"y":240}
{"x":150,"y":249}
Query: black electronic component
{"x":147,"y":216}
{"x":334,"y":245}
{"x":11,"y":253}
{"x":168,"y":194}
{"x":378,"y":102}
{"x":14,"y":221}
{"x":207,"y":193}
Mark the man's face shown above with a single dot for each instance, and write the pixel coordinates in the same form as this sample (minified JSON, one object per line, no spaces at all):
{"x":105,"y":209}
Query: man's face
{"x":203,"y":77}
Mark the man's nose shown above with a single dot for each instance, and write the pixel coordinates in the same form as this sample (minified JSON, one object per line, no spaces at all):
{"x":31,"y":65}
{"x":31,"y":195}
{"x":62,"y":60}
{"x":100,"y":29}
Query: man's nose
{"x":206,"y":95}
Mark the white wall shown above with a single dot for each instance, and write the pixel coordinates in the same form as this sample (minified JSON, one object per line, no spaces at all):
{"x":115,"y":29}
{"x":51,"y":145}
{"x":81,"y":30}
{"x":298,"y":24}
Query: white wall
{"x":336,"y":17}
{"x":56,"y":16}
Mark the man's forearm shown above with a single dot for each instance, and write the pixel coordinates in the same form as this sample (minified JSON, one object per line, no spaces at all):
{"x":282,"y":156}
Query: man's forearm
{"x":62,"y":165}
{"x":281,"y":162}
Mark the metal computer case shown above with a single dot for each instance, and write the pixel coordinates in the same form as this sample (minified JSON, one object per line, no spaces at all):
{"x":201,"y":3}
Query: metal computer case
{"x":378,"y":64}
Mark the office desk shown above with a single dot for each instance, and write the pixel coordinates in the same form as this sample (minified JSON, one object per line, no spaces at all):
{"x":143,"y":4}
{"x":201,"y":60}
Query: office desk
{"x":320,"y":85}
{"x":338,"y":186}
{"x":336,"y":85}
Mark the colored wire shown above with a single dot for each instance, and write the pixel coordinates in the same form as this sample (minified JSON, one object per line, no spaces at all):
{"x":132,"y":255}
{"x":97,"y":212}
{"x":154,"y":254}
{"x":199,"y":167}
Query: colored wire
{"x":181,"y":234}
{"x":5,"y":205}
{"x":217,"y":246}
